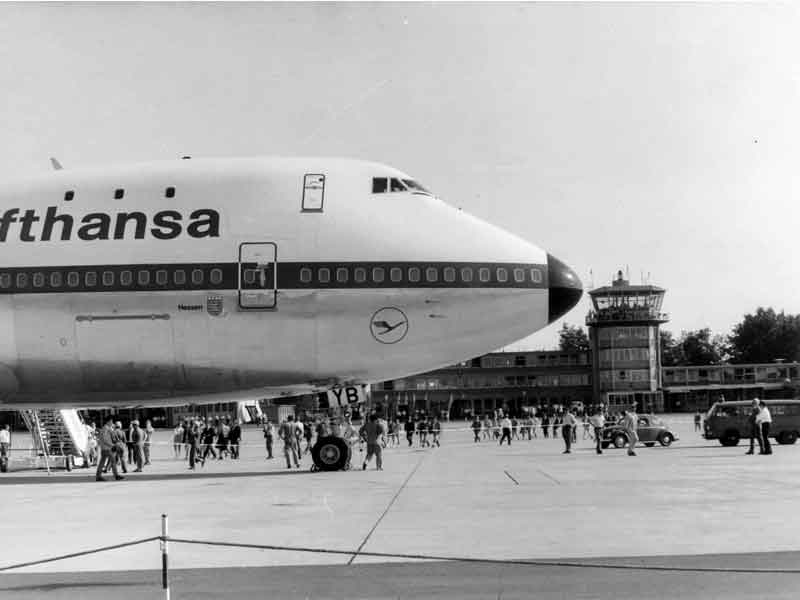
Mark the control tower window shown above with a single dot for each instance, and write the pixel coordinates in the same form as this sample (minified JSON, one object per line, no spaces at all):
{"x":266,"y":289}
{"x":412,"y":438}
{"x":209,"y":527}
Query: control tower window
{"x":379,"y":185}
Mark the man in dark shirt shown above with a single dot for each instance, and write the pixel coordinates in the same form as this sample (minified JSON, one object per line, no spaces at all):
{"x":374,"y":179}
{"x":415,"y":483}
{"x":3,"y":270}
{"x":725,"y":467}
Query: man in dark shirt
{"x":372,"y":432}
{"x":476,"y":428}
{"x":207,"y":439}
{"x":234,"y":437}
{"x":410,"y":431}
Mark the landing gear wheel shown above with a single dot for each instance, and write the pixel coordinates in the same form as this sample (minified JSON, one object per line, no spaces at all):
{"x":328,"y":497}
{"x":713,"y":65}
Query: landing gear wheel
{"x":331,"y":453}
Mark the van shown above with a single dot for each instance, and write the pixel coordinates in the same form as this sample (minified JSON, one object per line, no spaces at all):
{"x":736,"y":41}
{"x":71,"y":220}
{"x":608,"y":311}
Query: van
{"x":729,"y":422}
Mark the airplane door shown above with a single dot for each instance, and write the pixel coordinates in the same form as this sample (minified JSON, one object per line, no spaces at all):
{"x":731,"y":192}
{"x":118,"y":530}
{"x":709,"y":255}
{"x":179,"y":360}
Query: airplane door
{"x":258,"y":275}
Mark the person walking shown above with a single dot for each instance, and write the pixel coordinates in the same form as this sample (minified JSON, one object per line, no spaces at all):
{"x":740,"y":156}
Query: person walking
{"x":269,"y":434}
{"x":567,"y":429}
{"x":476,"y":429}
{"x":5,"y":446}
{"x":505,"y":425}
{"x":148,"y":437}
{"x":192,"y":437}
{"x":764,"y":421}
{"x":371,"y":432}
{"x":120,"y":442}
{"x":129,"y":442}
{"x":755,"y":428}
{"x":177,"y":439}
{"x":698,"y":418}
{"x":207,"y":439}
{"x":107,"y":447}
{"x":598,"y":421}
{"x":629,"y":425}
{"x":410,"y":431}
{"x":138,"y":437}
{"x":235,"y":438}
{"x":288,"y":433}
{"x":436,"y":431}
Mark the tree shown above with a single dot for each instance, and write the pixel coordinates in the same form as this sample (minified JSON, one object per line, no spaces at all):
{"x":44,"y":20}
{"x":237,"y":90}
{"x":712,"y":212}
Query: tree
{"x":671,"y":351}
{"x":573,"y":339}
{"x":766,"y":336}
{"x":692,"y":348}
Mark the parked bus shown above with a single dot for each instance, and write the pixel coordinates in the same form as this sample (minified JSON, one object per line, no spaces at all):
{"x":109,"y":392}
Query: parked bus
{"x":729,"y":422}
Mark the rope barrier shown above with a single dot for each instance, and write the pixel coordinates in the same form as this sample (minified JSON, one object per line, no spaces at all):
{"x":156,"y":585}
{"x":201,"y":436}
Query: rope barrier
{"x":78,"y":554}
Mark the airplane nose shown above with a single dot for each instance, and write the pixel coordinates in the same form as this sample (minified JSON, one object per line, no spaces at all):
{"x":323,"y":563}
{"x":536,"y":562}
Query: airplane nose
{"x":565,"y":289}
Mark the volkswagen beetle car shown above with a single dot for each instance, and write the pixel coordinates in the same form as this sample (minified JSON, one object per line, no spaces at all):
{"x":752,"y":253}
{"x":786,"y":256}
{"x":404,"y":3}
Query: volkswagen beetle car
{"x":650,"y":430}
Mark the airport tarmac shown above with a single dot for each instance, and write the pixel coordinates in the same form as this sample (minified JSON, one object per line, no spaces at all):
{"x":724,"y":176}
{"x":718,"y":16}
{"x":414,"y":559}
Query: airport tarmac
{"x":695,"y":504}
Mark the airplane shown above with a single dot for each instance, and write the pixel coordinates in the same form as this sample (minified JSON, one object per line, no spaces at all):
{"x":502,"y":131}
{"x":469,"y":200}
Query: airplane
{"x":224,"y":279}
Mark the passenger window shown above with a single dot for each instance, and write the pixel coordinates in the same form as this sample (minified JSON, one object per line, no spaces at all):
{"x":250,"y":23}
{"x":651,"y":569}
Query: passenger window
{"x":197,"y":276}
{"x":536,"y":276}
{"x":449,"y":274}
{"x":22,"y":280}
{"x":413,"y":274}
{"x":379,"y":185}
{"x":90,"y":279}
{"x":126,"y":277}
{"x":341,"y":275}
{"x":38,"y":280}
{"x":179,"y":277}
{"x":143,"y":277}
{"x":396,"y":274}
{"x":305,"y":275}
{"x":397,"y":185}
{"x":249,"y":276}
{"x":519,"y":275}
{"x":324,"y":275}
{"x":56,"y":279}
{"x":431,"y":274}
{"x":466,"y":274}
{"x":162,"y":277}
{"x":483,"y":274}
{"x":360,"y":275}
{"x":502,"y":275}
{"x":73,"y":279}
{"x":216,"y":276}
{"x":108,"y":278}
{"x":5,"y":281}
{"x":378,"y":275}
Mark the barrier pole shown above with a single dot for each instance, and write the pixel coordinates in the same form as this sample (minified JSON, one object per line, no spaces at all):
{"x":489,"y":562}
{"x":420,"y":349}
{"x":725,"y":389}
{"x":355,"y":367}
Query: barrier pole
{"x":164,"y":555}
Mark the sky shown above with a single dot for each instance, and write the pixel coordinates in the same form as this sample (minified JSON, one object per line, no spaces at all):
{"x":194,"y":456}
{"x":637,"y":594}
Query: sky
{"x":661,"y":139}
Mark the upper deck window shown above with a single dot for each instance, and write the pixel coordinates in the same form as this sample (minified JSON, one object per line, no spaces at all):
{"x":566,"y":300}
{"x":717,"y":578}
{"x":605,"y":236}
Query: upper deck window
{"x":382,"y":185}
{"x":415,"y":187}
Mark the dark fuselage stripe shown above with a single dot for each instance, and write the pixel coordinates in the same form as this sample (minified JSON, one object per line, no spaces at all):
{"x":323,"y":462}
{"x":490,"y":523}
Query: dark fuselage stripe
{"x":290,"y":276}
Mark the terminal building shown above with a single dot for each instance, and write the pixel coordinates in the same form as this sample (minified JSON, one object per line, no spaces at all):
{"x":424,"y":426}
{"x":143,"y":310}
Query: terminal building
{"x":621,"y":367}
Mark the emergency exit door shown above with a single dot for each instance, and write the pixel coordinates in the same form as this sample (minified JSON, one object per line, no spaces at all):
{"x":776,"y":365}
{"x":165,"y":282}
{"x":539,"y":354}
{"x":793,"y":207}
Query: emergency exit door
{"x":258,"y":275}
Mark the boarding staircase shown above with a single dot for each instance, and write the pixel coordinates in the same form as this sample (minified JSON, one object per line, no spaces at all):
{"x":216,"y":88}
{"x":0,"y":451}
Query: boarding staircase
{"x":58,"y":435}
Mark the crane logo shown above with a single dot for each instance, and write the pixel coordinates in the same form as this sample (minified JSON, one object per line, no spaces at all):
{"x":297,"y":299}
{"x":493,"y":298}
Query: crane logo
{"x":389,"y":325}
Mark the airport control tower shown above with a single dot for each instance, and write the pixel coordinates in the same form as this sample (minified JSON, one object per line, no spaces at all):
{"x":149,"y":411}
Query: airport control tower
{"x":624,"y":336}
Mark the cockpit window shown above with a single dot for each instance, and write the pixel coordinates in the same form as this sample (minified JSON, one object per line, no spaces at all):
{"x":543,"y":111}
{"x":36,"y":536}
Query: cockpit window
{"x":382,"y":185}
{"x":379,"y":185}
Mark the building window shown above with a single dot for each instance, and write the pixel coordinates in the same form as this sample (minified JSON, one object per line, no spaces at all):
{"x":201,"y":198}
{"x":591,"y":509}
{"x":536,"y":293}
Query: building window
{"x":162,"y":277}
{"x":324,"y":275}
{"x":378,"y":275}
{"x":143,"y":277}
{"x":396,"y":274}
{"x":216,"y":276}
{"x":126,"y":277}
{"x":169,"y":192}
{"x":414,"y":274}
{"x":197,"y":276}
{"x":466,"y":274}
{"x":69,"y":195}
{"x":360,"y":275}
{"x":38,"y":280}
{"x":341,"y":275}
{"x":305,"y":275}
{"x":449,"y":274}
{"x":119,"y":193}
{"x":483,"y":274}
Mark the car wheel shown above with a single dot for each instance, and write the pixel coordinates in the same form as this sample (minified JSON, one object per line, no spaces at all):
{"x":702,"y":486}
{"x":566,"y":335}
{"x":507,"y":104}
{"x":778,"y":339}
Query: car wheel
{"x":729,"y":438}
{"x":649,"y":444}
{"x":619,"y":440}
{"x":787,"y":437}
{"x":330,"y":453}
{"x":665,"y":439}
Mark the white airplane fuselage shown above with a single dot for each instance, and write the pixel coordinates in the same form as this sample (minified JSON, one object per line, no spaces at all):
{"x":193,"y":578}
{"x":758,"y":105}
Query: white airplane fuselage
{"x":251,"y":278}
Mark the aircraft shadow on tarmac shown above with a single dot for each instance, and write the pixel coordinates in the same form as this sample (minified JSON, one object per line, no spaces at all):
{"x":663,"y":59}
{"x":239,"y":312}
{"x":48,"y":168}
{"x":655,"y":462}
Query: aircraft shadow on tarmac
{"x":134,"y":477}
